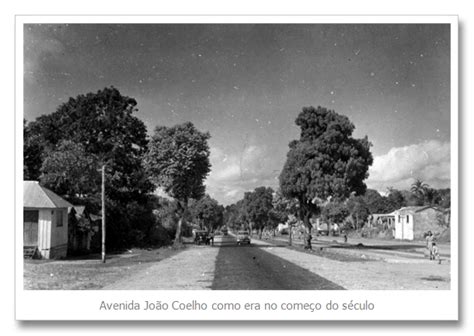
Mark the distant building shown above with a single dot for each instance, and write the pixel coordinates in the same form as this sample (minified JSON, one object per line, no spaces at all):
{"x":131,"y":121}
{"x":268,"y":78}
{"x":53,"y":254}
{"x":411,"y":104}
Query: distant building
{"x":45,"y":221}
{"x":414,"y":221}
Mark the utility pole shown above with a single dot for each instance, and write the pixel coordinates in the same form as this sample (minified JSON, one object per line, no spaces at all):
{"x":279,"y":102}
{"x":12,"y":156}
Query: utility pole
{"x":103,"y":213}
{"x":290,"y":233}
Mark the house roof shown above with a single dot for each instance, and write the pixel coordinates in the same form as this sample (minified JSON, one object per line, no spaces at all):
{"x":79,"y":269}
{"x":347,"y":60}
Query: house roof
{"x":414,"y":209}
{"x":37,"y":196}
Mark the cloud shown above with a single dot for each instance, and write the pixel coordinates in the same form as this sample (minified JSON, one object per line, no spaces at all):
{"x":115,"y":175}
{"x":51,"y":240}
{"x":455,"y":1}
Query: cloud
{"x":234,"y":174}
{"x":428,"y":161}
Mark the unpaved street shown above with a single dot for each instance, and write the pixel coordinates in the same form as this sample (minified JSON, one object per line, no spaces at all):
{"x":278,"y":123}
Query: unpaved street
{"x":192,"y":268}
{"x":253,"y":267}
{"x":269,"y":266}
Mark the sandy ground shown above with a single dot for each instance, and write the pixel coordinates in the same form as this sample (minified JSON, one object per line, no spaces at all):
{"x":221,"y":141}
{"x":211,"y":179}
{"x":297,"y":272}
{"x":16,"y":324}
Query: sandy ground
{"x":398,"y":273}
{"x":215,"y":267}
{"x":193,"y":268}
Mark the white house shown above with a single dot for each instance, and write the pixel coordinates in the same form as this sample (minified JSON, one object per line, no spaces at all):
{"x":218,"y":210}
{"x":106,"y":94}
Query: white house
{"x":45,"y":221}
{"x":414,"y":221}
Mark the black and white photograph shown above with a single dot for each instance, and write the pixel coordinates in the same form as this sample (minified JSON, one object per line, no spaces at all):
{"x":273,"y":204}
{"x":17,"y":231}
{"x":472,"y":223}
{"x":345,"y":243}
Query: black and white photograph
{"x":238,"y":156}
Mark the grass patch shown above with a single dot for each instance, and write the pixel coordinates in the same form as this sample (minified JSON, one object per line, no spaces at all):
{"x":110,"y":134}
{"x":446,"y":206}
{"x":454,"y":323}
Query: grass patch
{"x":434,"y":278}
{"x":89,"y":272}
{"x":325,"y":251}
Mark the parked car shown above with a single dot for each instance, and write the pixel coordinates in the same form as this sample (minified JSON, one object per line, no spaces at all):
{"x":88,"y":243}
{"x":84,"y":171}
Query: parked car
{"x":243,"y":237}
{"x":202,"y":237}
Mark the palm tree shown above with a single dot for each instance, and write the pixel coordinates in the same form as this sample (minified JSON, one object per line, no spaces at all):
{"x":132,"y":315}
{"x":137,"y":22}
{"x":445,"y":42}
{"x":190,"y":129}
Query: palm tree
{"x":420,"y":189}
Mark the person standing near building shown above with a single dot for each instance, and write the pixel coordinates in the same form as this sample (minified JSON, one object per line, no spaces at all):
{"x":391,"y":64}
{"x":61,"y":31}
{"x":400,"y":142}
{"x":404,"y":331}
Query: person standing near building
{"x":436,"y":255}
{"x":429,"y":243}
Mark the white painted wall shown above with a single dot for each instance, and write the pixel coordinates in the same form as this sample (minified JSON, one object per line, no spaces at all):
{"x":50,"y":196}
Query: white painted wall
{"x":44,"y":232}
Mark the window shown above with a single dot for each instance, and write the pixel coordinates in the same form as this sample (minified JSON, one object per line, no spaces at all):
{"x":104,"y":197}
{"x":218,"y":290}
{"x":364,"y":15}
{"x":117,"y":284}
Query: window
{"x":59,"y":218}
{"x":408,"y":219}
{"x":30,"y":216}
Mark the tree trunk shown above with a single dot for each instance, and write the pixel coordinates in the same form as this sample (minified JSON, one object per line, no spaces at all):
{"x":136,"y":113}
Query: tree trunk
{"x":308,"y":237}
{"x":177,"y":238}
{"x":290,"y":234}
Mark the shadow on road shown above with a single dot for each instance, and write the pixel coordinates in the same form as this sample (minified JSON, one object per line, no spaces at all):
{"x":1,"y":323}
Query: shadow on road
{"x":252,"y":268}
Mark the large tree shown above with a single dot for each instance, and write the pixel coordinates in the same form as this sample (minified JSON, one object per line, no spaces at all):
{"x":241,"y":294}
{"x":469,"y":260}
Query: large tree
{"x":33,"y":148}
{"x":258,"y":205}
{"x":334,"y":212}
{"x":104,"y":125}
{"x":358,"y":210}
{"x":70,"y":171}
{"x":91,"y":130}
{"x":178,"y":162}
{"x":234,"y":216}
{"x":395,"y":200}
{"x":325,"y":163}
{"x":208,"y":213}
{"x":376,"y":203}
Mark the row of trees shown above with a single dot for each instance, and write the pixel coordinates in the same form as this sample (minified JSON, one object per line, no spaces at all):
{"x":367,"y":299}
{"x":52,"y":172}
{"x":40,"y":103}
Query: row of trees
{"x":356,"y":210}
{"x":323,"y":176}
{"x":325,"y":164}
{"x":256,"y":211}
{"x":64,"y":151}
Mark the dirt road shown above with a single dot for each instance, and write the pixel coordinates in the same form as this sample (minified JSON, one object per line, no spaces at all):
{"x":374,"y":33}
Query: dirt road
{"x":266,"y":266}
{"x":252,"y":267}
{"x":193,"y":268}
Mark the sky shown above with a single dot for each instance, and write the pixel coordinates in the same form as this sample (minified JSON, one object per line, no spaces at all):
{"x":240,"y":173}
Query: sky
{"x":246,"y":84}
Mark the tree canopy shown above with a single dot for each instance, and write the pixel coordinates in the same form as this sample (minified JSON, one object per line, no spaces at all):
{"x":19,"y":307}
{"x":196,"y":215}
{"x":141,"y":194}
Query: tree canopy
{"x":65,"y":149}
{"x":70,"y":170}
{"x":326,"y":162}
{"x":104,"y":125}
{"x":177,"y":160}
{"x":258,"y":205}
{"x":208,"y":212}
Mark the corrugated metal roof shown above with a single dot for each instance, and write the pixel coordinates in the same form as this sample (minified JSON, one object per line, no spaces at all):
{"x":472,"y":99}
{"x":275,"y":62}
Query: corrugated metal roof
{"x":413,"y":209}
{"x":37,"y":196}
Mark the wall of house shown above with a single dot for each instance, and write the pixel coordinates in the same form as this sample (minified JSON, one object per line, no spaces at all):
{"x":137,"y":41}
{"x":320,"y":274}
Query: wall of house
{"x":52,"y":239}
{"x":30,"y":227}
{"x":59,"y":230}
{"x":404,"y":226}
{"x":426,"y":220}
{"x":44,"y":232}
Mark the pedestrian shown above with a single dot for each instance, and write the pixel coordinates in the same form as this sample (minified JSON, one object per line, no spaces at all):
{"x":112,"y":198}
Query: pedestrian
{"x":429,"y":244}
{"x":211,"y":238}
{"x":436,"y":255}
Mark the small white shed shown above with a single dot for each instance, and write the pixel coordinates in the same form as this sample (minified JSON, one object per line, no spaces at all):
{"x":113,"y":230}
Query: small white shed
{"x":414,"y":221}
{"x":45,"y":221}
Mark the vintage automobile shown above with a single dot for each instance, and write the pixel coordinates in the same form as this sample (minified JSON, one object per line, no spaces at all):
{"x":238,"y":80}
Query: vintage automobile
{"x":202,"y":237}
{"x":243,"y":237}
{"x":225,"y":231}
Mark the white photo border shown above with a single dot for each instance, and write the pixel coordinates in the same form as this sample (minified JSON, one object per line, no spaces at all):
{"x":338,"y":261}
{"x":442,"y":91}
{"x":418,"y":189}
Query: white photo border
{"x":397,"y":305}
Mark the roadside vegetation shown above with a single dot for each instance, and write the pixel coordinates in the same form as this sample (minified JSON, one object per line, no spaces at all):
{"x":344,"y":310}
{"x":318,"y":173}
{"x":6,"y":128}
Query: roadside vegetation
{"x":322,"y":178}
